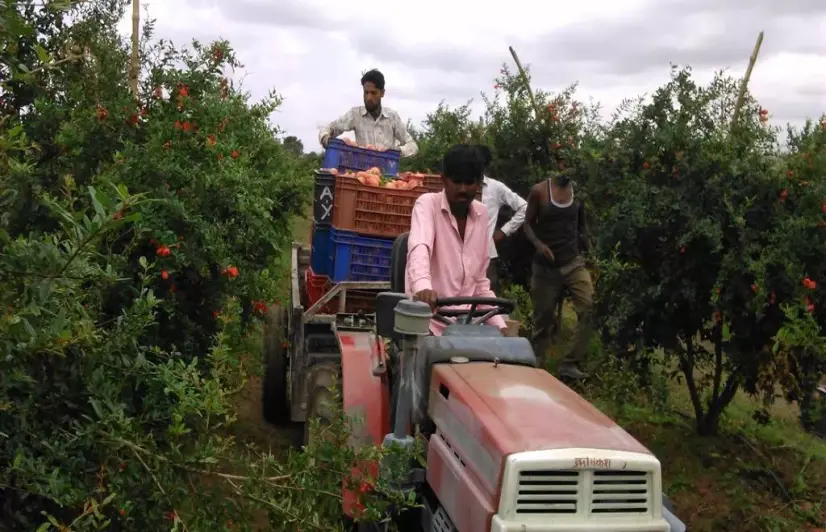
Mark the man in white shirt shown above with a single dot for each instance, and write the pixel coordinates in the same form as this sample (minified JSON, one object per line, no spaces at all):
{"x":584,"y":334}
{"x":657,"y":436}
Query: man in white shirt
{"x":495,"y":195}
{"x":373,"y":124}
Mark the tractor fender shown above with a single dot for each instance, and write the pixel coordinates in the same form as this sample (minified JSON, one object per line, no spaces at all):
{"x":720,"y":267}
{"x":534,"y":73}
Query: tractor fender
{"x":364,"y":391}
{"x":365,"y":398}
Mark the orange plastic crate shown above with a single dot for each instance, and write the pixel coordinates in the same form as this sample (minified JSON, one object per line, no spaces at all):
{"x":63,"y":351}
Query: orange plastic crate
{"x":375,"y":211}
{"x":433,"y":183}
{"x":357,"y":300}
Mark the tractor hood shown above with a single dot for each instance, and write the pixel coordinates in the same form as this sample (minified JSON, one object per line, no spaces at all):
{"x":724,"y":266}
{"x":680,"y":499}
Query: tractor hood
{"x":511,"y":409}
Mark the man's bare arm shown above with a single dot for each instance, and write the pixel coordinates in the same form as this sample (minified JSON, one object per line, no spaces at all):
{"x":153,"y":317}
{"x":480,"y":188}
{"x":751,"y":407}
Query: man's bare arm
{"x":531,"y":213}
{"x":530,"y":217}
{"x":342,"y":124}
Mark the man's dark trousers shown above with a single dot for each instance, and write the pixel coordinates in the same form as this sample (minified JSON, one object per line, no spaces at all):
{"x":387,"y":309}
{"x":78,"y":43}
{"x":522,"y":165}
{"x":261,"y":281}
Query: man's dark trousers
{"x":547,"y":286}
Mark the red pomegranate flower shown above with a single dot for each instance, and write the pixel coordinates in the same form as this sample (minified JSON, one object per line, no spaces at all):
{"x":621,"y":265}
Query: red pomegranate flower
{"x":231,"y":271}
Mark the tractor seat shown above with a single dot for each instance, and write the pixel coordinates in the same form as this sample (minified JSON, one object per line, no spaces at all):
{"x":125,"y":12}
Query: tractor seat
{"x":398,"y":263}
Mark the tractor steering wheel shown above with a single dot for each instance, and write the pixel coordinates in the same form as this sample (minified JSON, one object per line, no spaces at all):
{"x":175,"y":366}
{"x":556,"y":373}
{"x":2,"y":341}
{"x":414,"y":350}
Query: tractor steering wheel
{"x":493,"y":306}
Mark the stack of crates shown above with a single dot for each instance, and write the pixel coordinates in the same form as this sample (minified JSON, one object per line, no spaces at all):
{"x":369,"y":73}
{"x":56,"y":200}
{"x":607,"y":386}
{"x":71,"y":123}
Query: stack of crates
{"x":354,"y":225}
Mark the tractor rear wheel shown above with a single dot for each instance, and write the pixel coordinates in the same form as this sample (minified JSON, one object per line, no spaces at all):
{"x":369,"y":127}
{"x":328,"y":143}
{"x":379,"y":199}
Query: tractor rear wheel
{"x":276,"y":403}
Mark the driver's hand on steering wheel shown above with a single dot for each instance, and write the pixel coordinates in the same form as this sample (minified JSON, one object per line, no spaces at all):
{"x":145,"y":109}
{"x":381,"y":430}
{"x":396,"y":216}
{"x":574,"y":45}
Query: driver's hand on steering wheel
{"x":427,"y":296}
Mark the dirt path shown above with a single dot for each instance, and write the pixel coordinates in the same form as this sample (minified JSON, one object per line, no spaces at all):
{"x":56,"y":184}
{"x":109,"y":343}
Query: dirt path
{"x":251,"y":427}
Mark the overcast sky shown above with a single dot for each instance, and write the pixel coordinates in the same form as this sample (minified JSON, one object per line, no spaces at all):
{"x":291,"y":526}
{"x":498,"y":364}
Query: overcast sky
{"x":313,"y":51}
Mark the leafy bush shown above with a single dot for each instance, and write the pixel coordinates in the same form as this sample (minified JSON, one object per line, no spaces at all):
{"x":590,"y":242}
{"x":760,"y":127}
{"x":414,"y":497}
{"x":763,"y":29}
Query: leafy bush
{"x":709,"y":239}
{"x":138,"y":238}
{"x":702,"y":248}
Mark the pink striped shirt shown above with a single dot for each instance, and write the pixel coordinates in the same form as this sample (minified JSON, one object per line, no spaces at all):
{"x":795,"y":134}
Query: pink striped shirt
{"x":438,"y":259}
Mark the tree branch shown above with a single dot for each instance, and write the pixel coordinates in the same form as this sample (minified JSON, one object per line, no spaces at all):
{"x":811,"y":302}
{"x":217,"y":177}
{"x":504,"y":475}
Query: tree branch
{"x":687,"y":367}
{"x":137,"y":448}
{"x":718,"y":362}
{"x":273,"y":506}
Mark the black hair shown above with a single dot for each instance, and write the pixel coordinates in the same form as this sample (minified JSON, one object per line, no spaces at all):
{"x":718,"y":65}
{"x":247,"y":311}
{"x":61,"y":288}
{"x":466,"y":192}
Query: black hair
{"x":375,"y":77}
{"x":463,"y":163}
{"x":484,"y":153}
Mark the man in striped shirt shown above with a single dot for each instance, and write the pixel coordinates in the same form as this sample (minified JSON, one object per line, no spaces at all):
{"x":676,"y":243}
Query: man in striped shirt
{"x":372,"y":123}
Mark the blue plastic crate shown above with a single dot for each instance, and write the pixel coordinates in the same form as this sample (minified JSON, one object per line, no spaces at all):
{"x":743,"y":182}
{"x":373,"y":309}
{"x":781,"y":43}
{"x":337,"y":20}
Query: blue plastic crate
{"x":322,"y":248}
{"x":359,"y":258}
{"x":343,"y":157}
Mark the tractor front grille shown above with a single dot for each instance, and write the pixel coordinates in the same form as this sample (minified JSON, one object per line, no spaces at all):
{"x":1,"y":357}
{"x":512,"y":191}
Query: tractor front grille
{"x":620,"y":492}
{"x":548,"y":492}
{"x":595,"y":493}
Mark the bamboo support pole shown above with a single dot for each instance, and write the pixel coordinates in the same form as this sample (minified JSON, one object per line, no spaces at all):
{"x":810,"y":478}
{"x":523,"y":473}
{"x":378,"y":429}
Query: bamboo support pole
{"x":527,"y":83}
{"x":134,"y":66}
{"x":744,"y":84}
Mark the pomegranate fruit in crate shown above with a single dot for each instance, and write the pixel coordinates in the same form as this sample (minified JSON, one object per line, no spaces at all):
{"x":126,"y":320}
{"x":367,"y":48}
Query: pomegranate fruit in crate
{"x":432,"y":182}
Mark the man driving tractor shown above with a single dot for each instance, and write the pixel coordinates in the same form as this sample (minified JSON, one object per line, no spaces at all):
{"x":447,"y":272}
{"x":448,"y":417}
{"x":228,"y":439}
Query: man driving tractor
{"x":448,"y":253}
{"x":373,"y":124}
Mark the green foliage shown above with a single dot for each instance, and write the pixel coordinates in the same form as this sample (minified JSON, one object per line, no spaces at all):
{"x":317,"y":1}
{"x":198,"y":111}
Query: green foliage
{"x":137,"y":240}
{"x":442,"y":129}
{"x":702,"y":231}
{"x":523,"y":313}
{"x":700,"y":244}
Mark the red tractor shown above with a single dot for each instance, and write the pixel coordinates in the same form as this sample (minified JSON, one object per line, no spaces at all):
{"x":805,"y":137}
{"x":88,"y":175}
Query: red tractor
{"x":509,"y":447}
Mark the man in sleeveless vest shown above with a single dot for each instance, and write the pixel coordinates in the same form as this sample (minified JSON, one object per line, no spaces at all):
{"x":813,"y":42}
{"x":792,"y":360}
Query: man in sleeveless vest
{"x":555,"y":225}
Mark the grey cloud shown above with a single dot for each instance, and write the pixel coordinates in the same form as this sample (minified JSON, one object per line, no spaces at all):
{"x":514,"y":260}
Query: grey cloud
{"x":281,"y":13}
{"x":795,"y":107}
{"x":434,"y":87}
{"x":384,"y":47}
{"x":665,"y":33}
{"x":774,"y":7}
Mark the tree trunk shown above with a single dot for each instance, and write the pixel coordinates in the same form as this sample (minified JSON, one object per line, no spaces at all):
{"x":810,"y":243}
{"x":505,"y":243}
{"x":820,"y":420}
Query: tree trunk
{"x":708,"y":424}
{"x":134,"y":66}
